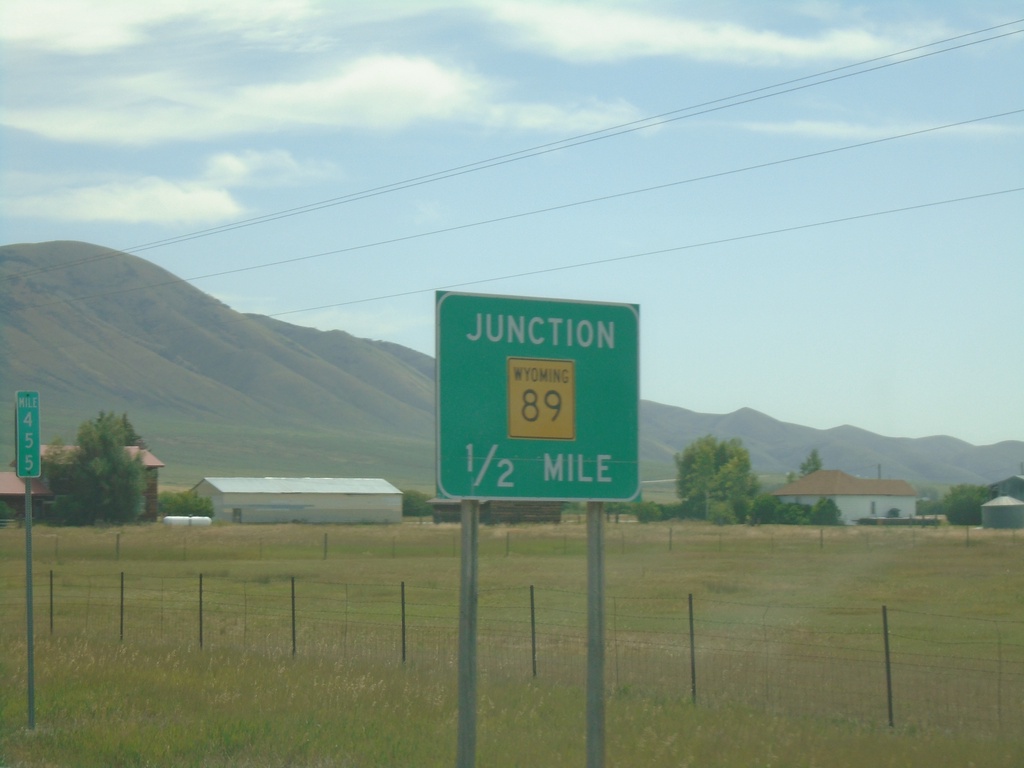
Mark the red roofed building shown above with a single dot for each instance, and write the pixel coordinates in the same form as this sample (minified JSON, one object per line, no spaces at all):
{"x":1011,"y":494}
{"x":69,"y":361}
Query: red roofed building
{"x":12,"y":493}
{"x":856,"y":497}
{"x":151,"y":479}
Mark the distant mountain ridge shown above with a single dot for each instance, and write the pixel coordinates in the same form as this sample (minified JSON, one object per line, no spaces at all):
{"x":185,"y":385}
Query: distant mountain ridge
{"x":218,"y":392}
{"x":778,"y":447}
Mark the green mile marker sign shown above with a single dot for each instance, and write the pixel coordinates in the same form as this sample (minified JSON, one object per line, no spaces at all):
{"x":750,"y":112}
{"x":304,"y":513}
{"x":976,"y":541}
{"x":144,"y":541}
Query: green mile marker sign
{"x":27,"y":434}
{"x":537,"y":399}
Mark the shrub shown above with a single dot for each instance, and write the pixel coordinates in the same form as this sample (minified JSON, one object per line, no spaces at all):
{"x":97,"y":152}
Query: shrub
{"x":184,"y":504}
{"x":414,"y":504}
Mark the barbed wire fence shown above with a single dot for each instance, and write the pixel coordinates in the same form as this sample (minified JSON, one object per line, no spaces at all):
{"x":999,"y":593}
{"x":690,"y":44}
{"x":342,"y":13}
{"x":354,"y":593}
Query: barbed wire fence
{"x":876,"y":666}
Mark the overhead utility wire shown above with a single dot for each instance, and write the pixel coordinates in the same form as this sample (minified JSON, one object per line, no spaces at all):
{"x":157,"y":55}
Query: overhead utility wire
{"x":627,"y":257}
{"x":659,"y":252}
{"x":568,"y":143}
{"x":535,"y":212}
{"x":584,"y":138}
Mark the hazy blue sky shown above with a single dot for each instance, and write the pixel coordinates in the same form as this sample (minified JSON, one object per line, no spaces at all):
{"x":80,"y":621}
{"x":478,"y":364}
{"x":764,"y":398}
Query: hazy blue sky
{"x":791,"y":247}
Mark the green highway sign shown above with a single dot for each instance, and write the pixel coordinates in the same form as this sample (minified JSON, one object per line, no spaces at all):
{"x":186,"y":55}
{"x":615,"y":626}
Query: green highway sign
{"x":537,"y":398}
{"x":27,"y":434}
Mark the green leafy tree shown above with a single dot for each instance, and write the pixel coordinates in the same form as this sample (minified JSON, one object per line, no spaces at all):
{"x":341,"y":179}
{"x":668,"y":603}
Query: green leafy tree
{"x":962,"y":504}
{"x":96,"y":481}
{"x":644,"y":511}
{"x":184,"y":504}
{"x":811,"y":464}
{"x":826,"y":512}
{"x":764,"y":510}
{"x":414,"y":504}
{"x":710,"y":471}
{"x":131,"y":437}
{"x":929,"y":507}
{"x":768,"y":509}
{"x":791,"y":513}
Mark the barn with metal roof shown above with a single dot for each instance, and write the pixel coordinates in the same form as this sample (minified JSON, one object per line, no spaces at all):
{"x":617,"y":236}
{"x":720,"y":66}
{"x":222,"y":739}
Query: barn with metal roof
{"x":302,"y":499}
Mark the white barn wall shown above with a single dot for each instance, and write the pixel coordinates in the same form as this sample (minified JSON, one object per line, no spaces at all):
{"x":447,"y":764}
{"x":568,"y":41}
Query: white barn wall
{"x":857,"y":498}
{"x":300,"y":506}
{"x":853,"y":508}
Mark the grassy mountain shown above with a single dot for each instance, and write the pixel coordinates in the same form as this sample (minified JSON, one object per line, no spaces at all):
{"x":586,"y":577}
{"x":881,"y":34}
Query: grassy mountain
{"x":212,"y":390}
{"x":217,"y":392}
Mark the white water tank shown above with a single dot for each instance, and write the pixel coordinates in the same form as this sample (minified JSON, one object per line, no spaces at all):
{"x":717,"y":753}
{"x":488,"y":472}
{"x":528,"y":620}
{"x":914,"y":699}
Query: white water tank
{"x":190,"y":520}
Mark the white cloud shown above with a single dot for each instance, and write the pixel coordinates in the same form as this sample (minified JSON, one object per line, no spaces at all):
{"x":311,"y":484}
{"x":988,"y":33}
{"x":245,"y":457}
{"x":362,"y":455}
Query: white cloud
{"x":84,"y":28}
{"x":205,"y":199}
{"x":564,"y":120}
{"x":249,"y":168}
{"x":376,"y":92}
{"x":150,"y":199}
{"x":595,"y":32}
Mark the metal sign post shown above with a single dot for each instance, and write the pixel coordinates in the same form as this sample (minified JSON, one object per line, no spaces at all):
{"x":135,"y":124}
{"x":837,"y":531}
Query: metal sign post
{"x":537,"y":400}
{"x":468,"y":599}
{"x":27,"y":462}
{"x":595,"y":635}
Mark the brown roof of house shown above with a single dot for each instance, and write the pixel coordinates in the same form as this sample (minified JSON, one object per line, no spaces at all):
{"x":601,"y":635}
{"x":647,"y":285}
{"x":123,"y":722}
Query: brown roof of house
{"x":833,"y":482}
{"x":12,"y":485}
{"x":148,"y":459}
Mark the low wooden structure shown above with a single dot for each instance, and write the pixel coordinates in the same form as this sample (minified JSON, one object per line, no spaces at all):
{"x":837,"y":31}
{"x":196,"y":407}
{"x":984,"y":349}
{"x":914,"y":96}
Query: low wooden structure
{"x":501,"y":512}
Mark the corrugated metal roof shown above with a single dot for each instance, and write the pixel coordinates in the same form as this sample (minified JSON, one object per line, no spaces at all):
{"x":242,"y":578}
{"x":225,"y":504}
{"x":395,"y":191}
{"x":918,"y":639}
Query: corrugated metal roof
{"x":1004,"y":501}
{"x":353,"y":485}
{"x":833,"y":482}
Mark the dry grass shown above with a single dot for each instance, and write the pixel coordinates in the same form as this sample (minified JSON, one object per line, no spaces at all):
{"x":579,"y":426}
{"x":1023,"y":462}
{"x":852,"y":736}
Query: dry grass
{"x":788,"y":647}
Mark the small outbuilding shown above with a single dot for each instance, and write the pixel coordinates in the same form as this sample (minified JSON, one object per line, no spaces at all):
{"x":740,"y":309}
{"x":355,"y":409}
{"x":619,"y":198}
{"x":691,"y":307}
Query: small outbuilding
{"x":501,"y":511}
{"x":302,"y":499}
{"x":1003,"y":512}
{"x":1011,"y":486}
{"x":12,"y":496}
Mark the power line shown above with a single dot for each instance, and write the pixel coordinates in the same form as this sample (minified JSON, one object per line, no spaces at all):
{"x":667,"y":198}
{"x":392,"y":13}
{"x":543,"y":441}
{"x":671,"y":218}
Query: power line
{"x":696,"y":110}
{"x":662,"y":251}
{"x":627,"y":257}
{"x":605,"y":133}
{"x":550,"y":209}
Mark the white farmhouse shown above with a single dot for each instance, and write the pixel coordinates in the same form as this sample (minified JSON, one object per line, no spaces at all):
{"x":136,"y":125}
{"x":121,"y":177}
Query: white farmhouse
{"x":856,"y":497}
{"x":302,"y":499}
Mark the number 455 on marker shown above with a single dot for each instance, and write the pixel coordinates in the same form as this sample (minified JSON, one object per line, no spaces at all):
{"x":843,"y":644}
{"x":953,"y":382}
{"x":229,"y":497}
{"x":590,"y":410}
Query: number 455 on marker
{"x":27,"y":434}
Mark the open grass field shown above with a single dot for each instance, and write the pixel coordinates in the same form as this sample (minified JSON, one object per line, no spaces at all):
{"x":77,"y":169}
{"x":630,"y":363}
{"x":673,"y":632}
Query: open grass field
{"x":336,"y":646}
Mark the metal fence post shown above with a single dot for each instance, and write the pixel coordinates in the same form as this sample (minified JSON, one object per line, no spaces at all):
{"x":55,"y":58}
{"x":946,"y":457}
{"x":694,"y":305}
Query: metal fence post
{"x":533,"y":631}
{"x":888,"y":664}
{"x":693,"y":657}
{"x":403,"y":623}
{"x":200,"y":611}
{"x":294,"y":648}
